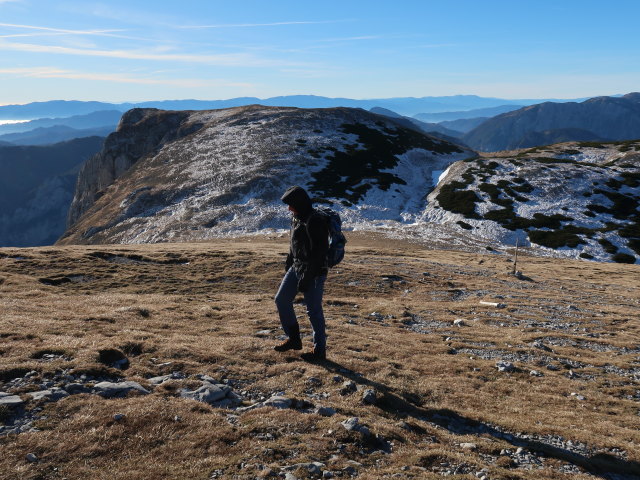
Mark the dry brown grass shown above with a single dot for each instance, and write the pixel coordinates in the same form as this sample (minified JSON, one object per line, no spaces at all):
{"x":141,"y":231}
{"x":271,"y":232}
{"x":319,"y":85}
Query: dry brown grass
{"x":203,"y":316}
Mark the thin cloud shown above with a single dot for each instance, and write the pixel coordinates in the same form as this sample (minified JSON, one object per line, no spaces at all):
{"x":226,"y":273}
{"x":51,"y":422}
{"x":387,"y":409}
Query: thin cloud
{"x":56,"y":30}
{"x":49,"y":72}
{"x":51,"y":31}
{"x":352,"y":39}
{"x":250,"y":25}
{"x":229,"y":60}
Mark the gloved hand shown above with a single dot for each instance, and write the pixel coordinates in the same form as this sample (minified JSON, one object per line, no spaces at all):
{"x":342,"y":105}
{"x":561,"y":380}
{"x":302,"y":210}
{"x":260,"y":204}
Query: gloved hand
{"x":304,"y":282}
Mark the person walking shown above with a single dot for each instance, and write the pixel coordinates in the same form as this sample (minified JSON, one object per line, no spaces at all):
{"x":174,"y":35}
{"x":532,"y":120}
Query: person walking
{"x":305,"y":271}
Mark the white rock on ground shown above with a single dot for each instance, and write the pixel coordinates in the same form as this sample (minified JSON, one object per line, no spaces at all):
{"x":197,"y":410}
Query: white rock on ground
{"x":120,"y":389}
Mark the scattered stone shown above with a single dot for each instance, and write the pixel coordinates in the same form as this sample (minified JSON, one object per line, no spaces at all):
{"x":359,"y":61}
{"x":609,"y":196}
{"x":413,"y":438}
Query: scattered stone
{"x":314,"y":468}
{"x":541,"y":346}
{"x":31,"y":457}
{"x":459,"y":322}
{"x":369,"y":397}
{"x":505,"y":366}
{"x":353,"y":425}
{"x":119,"y":416}
{"x":290,"y":476}
{"x":519,"y":451}
{"x":468,"y":446}
{"x":314,"y":381}
{"x":121,"y":389}
{"x":208,"y":393}
{"x":326,"y":411}
{"x":159,"y":380}
{"x":327,"y":474}
{"x":578,"y":396}
{"x":349,"y":386}
{"x":8,"y":400}
{"x":278,"y":401}
{"x":535,"y":373}
{"x":75,"y":388}
{"x":552,"y":367}
{"x":52,"y":395}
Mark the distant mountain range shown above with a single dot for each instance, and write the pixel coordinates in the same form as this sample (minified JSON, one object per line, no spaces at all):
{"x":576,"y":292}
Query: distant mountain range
{"x":56,"y":134}
{"x":611,"y":118}
{"x":403,"y":105}
{"x":475,"y":113}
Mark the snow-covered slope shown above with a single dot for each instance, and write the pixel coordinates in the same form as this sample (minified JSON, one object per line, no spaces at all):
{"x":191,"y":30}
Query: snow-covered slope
{"x":574,"y":199}
{"x":166,"y":176}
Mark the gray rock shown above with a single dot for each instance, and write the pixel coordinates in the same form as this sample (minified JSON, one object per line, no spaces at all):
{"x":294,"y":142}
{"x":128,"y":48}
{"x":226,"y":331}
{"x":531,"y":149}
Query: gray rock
{"x":468,"y":446}
{"x":278,"y":401}
{"x":459,"y":322}
{"x":369,"y":397}
{"x":326,"y":411}
{"x":119,"y":416}
{"x":51,"y":395}
{"x":314,"y":468}
{"x":75,"y":388}
{"x":159,"y":380}
{"x":8,"y":400}
{"x":353,"y":425}
{"x":290,"y":476}
{"x":121,"y":389}
{"x":535,"y":373}
{"x":348,"y":386}
{"x":207,"y":393}
{"x":31,"y":457}
{"x":505,"y":366}
{"x":541,"y":346}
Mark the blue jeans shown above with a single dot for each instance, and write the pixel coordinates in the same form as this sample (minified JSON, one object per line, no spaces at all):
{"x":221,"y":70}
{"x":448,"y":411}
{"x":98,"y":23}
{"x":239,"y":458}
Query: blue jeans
{"x":312,"y":297}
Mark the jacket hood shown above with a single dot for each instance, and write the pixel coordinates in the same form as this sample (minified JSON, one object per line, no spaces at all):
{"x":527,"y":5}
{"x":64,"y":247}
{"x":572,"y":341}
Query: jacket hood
{"x":298,"y":198}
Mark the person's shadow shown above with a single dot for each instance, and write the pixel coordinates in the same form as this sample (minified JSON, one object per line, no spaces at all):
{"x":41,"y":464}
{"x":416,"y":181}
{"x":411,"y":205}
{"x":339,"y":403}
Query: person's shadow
{"x":402,"y":405}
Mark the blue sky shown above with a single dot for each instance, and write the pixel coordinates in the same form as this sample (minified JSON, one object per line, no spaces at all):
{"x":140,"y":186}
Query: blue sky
{"x":153,"y":50}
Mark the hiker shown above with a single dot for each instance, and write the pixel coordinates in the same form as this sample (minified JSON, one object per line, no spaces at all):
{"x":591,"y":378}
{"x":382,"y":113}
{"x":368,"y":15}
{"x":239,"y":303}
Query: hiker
{"x":306,"y":271}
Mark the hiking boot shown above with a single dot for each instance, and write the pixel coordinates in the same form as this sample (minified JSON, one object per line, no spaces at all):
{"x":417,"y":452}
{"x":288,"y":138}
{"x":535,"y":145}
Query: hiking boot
{"x":314,"y":355}
{"x":292,"y":343}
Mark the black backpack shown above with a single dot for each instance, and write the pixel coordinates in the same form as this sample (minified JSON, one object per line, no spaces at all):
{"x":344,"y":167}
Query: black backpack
{"x":337,"y":240}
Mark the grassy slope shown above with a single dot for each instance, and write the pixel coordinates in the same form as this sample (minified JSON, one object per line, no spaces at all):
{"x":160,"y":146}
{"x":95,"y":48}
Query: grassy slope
{"x":204,"y":317}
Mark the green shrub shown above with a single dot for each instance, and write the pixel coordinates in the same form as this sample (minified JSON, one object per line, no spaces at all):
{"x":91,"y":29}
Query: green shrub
{"x":623,"y":258}
{"x":608,"y":246}
{"x":555,"y":238}
{"x":458,"y":201}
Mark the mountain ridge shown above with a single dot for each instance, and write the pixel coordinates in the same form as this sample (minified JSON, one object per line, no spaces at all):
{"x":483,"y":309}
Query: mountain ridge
{"x":223,"y":171}
{"x":613,"y":118}
{"x":404,"y":105}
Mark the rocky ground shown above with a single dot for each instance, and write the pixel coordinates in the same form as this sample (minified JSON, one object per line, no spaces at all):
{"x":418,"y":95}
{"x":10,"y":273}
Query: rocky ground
{"x":156,"y":361}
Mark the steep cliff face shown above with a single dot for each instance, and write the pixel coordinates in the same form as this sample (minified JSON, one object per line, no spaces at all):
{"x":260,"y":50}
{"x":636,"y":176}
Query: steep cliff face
{"x":36,"y":187}
{"x":139,"y":133}
{"x":609,"y":118}
{"x":193,"y":175}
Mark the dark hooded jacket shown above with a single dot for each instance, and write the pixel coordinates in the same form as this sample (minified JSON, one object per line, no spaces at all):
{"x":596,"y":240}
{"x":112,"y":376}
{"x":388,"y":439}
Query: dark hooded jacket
{"x":309,"y":236}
